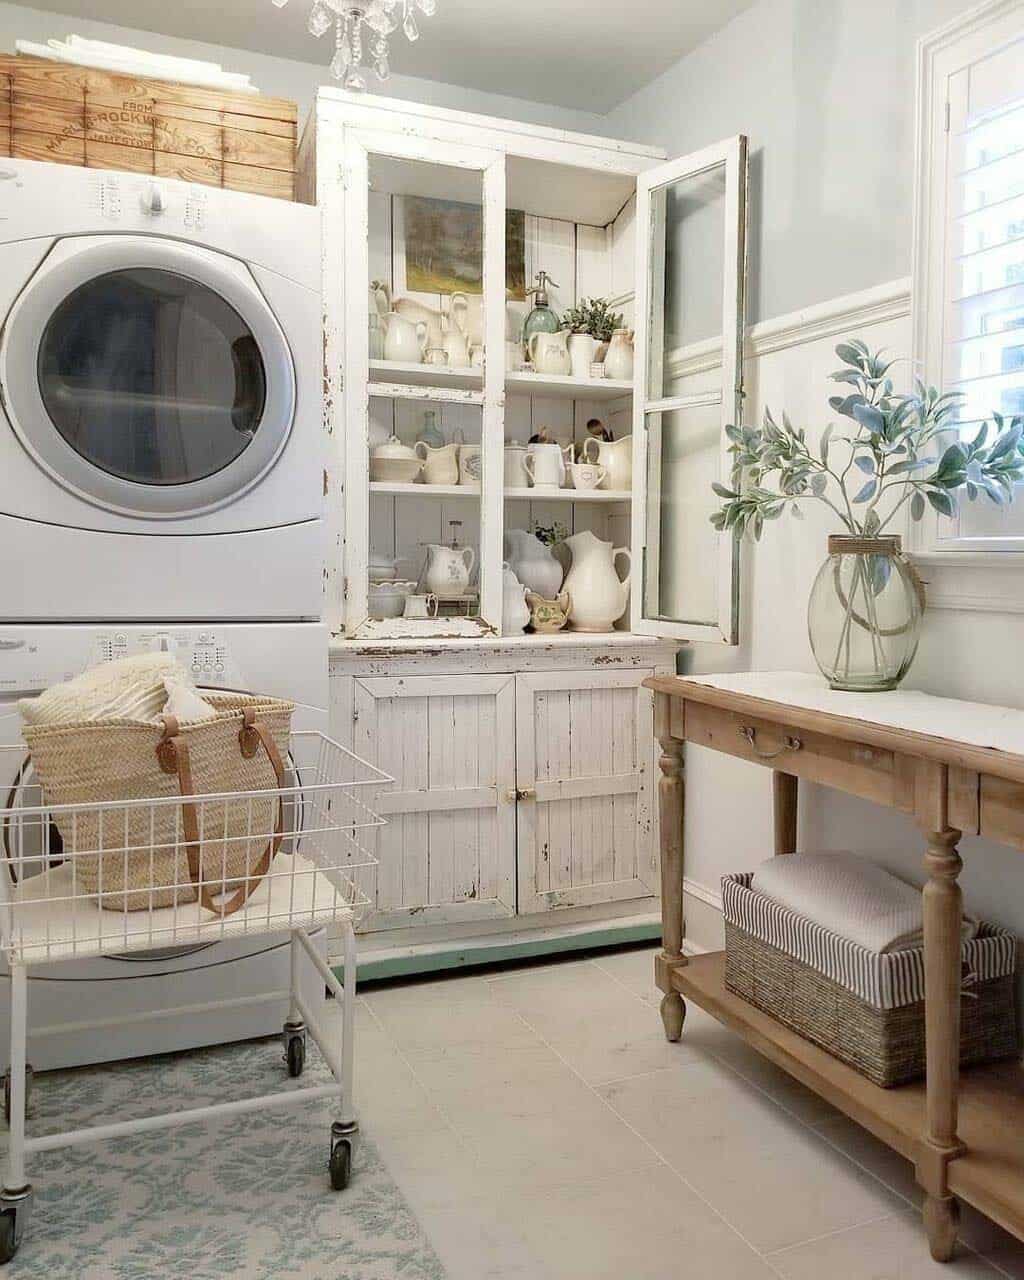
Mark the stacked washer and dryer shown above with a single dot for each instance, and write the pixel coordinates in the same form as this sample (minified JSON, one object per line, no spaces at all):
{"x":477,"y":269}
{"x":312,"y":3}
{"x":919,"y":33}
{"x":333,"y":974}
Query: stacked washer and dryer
{"x":160,"y":488}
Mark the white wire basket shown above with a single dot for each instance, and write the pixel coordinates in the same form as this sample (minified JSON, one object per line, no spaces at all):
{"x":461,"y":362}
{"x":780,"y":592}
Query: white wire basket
{"x":316,"y":877}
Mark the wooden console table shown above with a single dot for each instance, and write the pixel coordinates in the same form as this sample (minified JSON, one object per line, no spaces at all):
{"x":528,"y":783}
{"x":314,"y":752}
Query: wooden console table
{"x":958,"y":768}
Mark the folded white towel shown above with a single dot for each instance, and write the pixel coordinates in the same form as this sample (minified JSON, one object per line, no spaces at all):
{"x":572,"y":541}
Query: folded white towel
{"x":125,"y":689}
{"x":850,"y":896}
{"x":184,"y":703}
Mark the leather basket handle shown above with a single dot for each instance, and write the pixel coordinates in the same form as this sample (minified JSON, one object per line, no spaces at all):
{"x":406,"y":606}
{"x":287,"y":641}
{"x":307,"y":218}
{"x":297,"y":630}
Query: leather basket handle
{"x":173,"y":755}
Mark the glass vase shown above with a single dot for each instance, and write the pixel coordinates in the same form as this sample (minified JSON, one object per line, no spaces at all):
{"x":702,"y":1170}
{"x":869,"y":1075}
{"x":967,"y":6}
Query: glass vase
{"x":864,"y":613}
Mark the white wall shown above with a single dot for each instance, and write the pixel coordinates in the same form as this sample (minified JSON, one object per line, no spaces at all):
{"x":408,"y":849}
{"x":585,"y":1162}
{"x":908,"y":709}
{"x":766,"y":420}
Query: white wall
{"x":824,"y":89}
{"x":282,"y":77}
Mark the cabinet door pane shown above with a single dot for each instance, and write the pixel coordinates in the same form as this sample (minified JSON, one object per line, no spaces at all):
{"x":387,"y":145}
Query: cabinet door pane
{"x":692,"y":213}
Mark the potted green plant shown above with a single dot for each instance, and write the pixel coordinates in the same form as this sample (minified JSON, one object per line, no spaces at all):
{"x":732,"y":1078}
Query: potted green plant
{"x":591,"y":323}
{"x":899,"y":454}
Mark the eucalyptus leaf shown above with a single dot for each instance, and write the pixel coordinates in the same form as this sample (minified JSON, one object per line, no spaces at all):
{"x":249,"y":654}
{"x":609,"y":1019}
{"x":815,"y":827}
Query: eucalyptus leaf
{"x":867,"y":493}
{"x":917,"y":506}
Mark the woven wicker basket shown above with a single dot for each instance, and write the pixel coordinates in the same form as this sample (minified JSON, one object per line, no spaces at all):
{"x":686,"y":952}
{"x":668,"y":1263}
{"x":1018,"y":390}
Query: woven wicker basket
{"x":132,"y":859}
{"x":885,"y":1044}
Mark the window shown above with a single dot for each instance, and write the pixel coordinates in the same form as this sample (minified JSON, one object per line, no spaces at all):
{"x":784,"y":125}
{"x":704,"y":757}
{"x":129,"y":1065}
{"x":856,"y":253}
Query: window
{"x":969,"y":250}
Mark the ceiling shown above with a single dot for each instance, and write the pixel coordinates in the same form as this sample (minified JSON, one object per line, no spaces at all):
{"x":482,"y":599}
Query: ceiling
{"x":584,"y":54}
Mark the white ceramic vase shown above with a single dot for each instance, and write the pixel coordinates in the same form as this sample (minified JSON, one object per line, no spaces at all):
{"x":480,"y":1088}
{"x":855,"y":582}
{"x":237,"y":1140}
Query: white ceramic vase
{"x":515,"y":611}
{"x":618,"y":363}
{"x":532,"y":563}
{"x":597,"y":594}
{"x":404,"y":340}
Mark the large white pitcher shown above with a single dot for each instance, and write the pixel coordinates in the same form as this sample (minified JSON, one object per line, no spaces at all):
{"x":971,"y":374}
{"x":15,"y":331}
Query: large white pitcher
{"x":597,"y":595}
{"x":545,"y":464}
{"x":448,"y":570}
{"x":616,"y":456}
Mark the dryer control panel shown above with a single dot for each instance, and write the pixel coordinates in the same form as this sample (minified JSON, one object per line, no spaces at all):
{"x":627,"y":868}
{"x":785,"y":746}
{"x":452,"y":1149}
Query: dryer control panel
{"x":204,"y":653}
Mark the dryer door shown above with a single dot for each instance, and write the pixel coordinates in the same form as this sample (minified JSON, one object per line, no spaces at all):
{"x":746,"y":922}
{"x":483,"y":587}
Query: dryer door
{"x":148,"y":376}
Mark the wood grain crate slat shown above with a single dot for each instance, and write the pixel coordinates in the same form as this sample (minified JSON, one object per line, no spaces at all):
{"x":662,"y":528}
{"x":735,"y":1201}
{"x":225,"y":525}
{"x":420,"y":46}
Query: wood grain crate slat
{"x":61,"y":80}
{"x":72,"y":115}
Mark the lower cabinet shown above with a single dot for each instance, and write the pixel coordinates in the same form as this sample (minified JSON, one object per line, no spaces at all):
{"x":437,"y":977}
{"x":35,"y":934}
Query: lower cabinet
{"x":448,"y":852}
{"x":583,"y":771}
{"x":522,"y":797}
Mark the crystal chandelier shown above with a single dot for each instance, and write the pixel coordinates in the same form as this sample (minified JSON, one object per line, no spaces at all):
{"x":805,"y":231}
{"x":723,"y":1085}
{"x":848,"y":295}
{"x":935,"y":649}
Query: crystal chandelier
{"x":361,"y":30}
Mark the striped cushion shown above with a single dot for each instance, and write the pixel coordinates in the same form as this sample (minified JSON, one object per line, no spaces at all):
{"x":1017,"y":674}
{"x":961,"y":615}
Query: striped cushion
{"x":886,"y":981}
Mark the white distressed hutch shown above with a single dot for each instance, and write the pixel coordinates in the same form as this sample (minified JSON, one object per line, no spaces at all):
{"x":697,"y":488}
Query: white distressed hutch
{"x":523,"y":817}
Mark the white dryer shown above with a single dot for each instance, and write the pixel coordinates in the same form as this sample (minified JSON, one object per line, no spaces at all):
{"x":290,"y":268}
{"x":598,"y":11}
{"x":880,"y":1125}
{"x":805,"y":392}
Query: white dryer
{"x":173,"y":998}
{"x":160,"y":400}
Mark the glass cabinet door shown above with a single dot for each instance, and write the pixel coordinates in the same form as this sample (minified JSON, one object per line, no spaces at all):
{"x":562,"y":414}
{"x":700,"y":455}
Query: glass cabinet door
{"x":691,"y":221}
{"x":423,"y":385}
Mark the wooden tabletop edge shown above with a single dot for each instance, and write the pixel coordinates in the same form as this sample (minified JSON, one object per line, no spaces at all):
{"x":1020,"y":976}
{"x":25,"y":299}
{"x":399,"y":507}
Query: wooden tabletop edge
{"x":990,"y":760}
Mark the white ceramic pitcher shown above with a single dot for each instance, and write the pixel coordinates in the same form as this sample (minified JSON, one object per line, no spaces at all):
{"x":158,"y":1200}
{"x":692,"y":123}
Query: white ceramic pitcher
{"x":404,"y":340}
{"x":448,"y":569}
{"x":549,"y":352}
{"x":545,"y":464}
{"x":616,"y":456}
{"x":597,"y":595}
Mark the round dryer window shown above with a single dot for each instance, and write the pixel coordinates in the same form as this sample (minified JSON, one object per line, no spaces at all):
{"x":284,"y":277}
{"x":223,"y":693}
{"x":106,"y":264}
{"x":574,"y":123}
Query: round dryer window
{"x":152,"y":377}
{"x":148,"y":376}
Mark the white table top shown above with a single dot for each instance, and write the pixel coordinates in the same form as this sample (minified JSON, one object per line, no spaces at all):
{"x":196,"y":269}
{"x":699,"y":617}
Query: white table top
{"x":974,"y":723}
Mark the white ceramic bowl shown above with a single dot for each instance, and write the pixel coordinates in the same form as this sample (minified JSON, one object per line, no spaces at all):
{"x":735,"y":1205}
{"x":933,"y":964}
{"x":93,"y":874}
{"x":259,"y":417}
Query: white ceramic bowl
{"x":395,"y":470}
{"x":387,"y":599}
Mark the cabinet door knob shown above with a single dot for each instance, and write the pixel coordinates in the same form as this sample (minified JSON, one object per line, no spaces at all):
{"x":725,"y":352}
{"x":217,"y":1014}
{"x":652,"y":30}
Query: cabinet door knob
{"x":522,"y":793}
{"x":789,"y":744}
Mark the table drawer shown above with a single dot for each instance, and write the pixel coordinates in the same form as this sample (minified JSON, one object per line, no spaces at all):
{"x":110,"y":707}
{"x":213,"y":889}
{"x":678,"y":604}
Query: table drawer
{"x":863,"y":770}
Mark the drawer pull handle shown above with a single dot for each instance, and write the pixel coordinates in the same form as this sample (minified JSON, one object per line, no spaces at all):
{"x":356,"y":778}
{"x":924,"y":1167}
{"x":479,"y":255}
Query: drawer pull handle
{"x":750,"y":733}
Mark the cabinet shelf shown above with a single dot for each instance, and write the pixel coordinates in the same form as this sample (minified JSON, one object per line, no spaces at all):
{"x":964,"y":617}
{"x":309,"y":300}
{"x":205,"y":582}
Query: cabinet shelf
{"x":568,"y":495}
{"x":521,"y":383}
{"x":511,"y":495}
{"x":553,"y":384}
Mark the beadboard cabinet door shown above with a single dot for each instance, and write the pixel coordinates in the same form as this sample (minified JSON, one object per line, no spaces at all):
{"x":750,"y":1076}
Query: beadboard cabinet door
{"x":447,"y":853}
{"x":584,"y":765}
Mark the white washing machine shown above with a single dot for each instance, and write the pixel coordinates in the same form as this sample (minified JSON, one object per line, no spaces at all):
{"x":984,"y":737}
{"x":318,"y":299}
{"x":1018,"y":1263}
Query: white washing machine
{"x":160,"y":400}
{"x":173,"y":998}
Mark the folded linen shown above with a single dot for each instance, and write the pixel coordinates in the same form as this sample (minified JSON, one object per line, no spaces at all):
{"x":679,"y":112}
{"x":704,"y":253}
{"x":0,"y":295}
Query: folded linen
{"x":848,"y":895}
{"x":125,"y":689}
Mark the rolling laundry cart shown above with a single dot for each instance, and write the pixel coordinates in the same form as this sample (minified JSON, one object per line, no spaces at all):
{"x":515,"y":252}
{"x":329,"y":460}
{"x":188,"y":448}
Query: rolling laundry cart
{"x":318,"y":877}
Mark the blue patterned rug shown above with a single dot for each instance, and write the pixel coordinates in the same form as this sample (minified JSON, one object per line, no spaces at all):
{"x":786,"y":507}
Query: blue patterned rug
{"x":246,"y":1196}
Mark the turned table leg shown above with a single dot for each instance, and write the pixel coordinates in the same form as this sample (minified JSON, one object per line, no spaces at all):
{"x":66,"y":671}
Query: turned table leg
{"x":942,"y":924}
{"x":670,"y":802}
{"x":784,"y":805}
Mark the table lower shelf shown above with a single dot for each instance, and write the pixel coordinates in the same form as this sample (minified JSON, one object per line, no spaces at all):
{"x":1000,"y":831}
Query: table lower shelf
{"x":989,"y":1176}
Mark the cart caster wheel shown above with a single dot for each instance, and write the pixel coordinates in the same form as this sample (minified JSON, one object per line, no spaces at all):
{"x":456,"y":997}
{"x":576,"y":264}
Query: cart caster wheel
{"x":294,"y":1035}
{"x":29,"y":1074}
{"x":296,"y":1057}
{"x":8,"y":1239}
{"x":15,"y":1207}
{"x":341,"y":1165}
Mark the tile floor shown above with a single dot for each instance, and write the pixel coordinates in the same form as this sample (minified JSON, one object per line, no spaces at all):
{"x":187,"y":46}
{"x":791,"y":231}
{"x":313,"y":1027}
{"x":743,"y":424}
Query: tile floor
{"x":543,"y":1129}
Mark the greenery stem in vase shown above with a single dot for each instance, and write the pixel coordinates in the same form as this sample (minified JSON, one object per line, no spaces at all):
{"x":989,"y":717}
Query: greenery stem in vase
{"x":593,"y":316}
{"x":895,"y":453}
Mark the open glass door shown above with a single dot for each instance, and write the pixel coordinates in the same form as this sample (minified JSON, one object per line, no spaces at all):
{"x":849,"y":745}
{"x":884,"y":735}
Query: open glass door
{"x":691,"y":260}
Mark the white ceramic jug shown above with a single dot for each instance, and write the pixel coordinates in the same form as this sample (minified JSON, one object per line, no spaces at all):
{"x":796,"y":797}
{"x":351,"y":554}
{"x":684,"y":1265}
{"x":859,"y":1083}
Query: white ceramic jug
{"x":448,"y":569}
{"x":515,"y":472}
{"x":596,"y":593}
{"x":545,"y":464}
{"x":532,"y":563}
{"x":440,"y":466}
{"x":549,"y":352}
{"x":618,"y":363}
{"x":414,"y":310}
{"x":404,"y":340}
{"x":457,"y":348}
{"x":582,"y":353}
{"x":616,"y":456}
{"x":515,"y":612}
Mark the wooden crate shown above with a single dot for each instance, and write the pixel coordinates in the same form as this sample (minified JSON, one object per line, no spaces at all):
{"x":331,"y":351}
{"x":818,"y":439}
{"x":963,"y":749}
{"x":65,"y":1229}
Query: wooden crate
{"x":75,"y":115}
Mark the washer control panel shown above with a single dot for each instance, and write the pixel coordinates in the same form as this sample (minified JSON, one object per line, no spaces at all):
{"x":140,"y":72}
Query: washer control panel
{"x":31,"y":660}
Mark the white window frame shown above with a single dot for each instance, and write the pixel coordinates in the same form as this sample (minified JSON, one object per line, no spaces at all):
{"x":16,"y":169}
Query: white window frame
{"x":962,"y":572}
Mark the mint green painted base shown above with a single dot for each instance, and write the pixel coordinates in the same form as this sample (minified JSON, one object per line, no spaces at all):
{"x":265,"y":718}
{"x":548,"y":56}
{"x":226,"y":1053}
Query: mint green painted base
{"x":503,"y":951}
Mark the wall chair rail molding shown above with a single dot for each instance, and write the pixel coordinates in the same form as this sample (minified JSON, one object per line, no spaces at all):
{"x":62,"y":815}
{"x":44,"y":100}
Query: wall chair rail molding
{"x":847,"y":314}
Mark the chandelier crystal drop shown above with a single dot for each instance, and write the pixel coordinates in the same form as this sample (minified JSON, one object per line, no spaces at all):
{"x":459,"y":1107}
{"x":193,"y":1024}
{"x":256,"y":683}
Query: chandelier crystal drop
{"x":361,"y":29}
